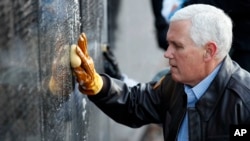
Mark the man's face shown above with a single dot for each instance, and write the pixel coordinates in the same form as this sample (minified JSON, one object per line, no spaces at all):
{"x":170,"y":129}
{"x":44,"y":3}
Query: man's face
{"x":185,"y":58}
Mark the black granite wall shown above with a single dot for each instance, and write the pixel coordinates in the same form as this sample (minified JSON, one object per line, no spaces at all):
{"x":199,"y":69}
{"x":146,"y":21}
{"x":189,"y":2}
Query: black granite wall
{"x":38,"y":99}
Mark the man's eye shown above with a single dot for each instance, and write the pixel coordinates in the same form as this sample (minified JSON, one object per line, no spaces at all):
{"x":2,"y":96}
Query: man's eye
{"x":178,"y":46}
{"x":175,"y":45}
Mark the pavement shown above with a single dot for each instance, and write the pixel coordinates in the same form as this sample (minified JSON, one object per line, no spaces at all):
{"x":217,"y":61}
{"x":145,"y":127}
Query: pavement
{"x":136,"y":47}
{"x":139,"y":57}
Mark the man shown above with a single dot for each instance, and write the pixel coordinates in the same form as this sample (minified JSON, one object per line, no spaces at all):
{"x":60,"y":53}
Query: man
{"x":204,"y":93}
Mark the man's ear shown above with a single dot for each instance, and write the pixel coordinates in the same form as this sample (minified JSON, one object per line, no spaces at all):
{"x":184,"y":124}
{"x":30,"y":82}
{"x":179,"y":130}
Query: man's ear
{"x":210,"y":51}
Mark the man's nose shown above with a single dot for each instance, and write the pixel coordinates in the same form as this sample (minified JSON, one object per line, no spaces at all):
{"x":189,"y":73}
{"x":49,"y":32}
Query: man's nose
{"x":168,"y":53}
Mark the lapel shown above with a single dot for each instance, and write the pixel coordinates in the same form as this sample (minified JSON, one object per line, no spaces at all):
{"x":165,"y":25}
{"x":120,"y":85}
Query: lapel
{"x":207,"y":103}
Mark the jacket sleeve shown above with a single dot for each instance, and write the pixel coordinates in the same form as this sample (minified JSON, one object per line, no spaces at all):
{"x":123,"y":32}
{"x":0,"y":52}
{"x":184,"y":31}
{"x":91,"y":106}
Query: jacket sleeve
{"x":131,"y":106}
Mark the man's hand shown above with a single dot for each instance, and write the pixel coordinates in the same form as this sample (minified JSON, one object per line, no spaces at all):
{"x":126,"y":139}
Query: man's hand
{"x":90,"y":82}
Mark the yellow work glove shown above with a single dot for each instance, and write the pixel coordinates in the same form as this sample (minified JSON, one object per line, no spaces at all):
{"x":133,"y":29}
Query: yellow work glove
{"x":90,"y":82}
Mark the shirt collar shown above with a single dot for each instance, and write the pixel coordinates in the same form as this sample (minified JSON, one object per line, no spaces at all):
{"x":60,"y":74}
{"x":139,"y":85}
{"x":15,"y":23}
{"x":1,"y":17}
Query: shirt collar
{"x":199,"y":89}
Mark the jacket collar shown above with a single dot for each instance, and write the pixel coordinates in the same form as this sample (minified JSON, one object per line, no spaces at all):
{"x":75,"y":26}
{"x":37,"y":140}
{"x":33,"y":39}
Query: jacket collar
{"x":207,"y":103}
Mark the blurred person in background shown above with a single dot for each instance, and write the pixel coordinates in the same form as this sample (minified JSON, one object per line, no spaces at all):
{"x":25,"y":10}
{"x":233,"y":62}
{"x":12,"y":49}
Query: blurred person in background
{"x":163,"y":10}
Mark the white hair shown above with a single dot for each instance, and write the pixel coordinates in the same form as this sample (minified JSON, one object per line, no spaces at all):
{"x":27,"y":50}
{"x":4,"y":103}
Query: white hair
{"x":208,"y":24}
